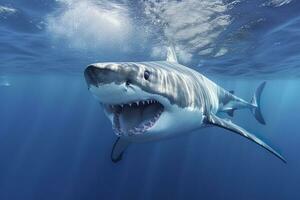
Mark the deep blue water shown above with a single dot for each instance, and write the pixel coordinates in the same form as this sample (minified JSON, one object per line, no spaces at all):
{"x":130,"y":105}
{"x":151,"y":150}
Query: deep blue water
{"x":55,"y":141}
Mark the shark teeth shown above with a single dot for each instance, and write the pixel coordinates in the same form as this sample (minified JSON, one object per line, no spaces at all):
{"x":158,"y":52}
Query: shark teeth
{"x":134,"y":103}
{"x":142,"y":126}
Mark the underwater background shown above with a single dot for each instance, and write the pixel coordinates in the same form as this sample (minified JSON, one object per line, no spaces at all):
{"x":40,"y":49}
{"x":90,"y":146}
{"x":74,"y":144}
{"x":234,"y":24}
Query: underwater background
{"x":55,"y":141}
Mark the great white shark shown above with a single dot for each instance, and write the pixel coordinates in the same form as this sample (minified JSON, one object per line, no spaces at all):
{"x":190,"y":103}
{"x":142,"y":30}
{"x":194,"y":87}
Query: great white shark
{"x":148,"y":101}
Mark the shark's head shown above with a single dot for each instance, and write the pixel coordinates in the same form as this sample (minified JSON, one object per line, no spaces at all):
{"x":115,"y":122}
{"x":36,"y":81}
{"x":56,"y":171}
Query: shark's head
{"x":137,"y":97}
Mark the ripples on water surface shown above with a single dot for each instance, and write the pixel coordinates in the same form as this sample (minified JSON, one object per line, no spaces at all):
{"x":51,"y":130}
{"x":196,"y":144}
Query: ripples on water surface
{"x":236,"y":38}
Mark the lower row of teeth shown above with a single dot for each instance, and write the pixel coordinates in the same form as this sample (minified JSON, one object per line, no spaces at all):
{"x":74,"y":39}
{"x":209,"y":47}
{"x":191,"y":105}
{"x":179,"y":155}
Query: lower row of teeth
{"x":137,"y":130}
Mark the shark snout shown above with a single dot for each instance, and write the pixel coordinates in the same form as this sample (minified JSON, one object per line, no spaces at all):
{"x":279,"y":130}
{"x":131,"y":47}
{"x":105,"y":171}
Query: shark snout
{"x":90,"y":74}
{"x":97,"y":75}
{"x":100,"y":74}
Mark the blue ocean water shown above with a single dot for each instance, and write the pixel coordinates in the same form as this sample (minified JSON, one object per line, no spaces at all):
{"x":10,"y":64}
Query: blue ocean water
{"x":55,"y":141}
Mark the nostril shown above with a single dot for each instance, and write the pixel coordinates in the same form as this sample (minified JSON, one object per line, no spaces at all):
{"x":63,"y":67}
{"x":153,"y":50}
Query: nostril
{"x":127,"y":83}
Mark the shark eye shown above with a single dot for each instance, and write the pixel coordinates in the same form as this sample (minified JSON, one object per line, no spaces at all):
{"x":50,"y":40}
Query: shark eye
{"x":146,"y":74}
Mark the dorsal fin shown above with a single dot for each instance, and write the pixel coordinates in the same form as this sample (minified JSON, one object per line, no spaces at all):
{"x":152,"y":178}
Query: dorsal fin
{"x":171,"y":55}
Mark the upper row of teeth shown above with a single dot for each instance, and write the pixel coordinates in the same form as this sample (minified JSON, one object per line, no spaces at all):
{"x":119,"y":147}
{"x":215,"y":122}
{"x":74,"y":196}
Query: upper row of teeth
{"x":136,"y":103}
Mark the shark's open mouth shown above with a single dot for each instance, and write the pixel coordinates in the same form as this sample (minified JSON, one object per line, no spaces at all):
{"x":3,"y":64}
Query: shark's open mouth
{"x":134,"y":118}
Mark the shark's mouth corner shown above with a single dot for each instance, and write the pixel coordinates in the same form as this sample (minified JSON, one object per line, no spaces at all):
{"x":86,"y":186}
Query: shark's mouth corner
{"x":134,"y":118}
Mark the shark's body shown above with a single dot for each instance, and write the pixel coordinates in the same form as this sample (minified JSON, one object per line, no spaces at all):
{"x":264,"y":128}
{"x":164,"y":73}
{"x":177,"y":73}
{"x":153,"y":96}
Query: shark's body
{"x":149,"y":101}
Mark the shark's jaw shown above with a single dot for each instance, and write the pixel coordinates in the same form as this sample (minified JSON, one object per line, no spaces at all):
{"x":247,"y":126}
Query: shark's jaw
{"x":135,"y":117}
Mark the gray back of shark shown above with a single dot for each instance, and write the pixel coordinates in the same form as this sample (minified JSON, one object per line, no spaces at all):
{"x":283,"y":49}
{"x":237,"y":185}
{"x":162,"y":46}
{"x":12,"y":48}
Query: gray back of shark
{"x":181,"y":85}
{"x":184,"y":88}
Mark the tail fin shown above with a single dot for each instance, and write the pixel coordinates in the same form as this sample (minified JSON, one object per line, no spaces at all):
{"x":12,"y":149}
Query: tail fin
{"x":256,"y":103}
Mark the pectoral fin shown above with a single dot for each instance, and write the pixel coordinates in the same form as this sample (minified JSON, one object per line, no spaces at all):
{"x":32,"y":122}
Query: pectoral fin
{"x":226,"y":124}
{"x":118,"y":149}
